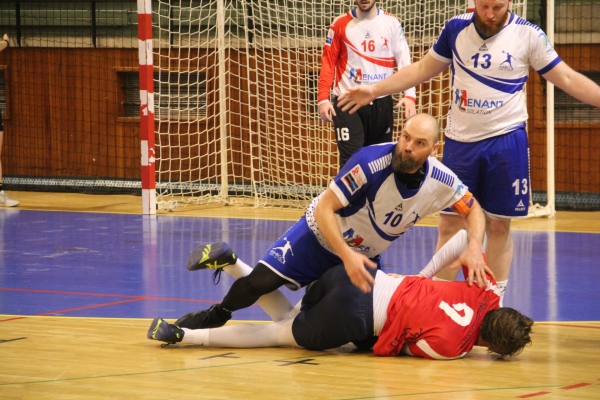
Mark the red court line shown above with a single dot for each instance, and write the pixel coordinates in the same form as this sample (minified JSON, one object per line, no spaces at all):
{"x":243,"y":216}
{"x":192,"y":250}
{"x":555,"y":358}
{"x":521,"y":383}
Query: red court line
{"x":575,"y":386}
{"x":12,"y":319}
{"x":105,"y":295}
{"x":525,"y":396}
{"x":89,"y":307}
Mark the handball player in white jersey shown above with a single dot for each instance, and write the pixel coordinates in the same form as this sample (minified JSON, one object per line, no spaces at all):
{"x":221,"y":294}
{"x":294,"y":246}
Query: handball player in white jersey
{"x":377,"y":196}
{"x":490,"y":51}
{"x":362,"y":48}
{"x":409,"y":315}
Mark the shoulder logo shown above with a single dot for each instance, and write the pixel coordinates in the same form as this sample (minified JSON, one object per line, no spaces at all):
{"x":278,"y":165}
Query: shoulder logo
{"x":330,"y":35}
{"x":546,"y":42}
{"x":354,"y":179}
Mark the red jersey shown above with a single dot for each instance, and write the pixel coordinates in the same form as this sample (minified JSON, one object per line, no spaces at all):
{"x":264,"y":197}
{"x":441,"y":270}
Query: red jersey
{"x":433,"y":319}
{"x":362,"y":53}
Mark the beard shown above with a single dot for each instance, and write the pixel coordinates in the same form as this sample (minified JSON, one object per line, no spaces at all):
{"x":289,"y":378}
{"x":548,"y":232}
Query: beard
{"x":367,"y":10}
{"x":490,"y":30}
{"x":404,"y":165}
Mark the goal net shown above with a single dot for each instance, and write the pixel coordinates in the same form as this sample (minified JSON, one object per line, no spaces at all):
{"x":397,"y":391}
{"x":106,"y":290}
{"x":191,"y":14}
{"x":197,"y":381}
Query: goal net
{"x":236,"y":113}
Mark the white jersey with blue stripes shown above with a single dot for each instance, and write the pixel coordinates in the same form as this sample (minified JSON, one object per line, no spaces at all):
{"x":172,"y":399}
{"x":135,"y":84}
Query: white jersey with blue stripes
{"x":489,"y":75}
{"x":377,"y":208}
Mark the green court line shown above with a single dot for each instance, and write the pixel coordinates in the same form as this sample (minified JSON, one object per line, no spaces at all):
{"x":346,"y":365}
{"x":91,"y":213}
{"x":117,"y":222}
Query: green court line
{"x":159,"y":372}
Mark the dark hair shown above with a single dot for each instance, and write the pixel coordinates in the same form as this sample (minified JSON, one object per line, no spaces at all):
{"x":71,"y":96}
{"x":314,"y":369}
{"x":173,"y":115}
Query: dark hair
{"x":506,"y":330}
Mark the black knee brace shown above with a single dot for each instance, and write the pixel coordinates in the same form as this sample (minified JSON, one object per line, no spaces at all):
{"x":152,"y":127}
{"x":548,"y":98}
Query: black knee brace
{"x":245,"y":291}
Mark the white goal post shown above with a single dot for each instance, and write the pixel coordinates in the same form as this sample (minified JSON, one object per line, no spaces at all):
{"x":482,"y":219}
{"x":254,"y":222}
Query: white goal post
{"x":235,"y":102}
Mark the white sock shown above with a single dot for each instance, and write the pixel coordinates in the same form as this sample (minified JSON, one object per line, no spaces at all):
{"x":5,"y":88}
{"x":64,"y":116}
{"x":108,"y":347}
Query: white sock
{"x":238,"y":270}
{"x":275,"y":304}
{"x":502,"y":287}
{"x":253,"y":335}
{"x":196,"y":336}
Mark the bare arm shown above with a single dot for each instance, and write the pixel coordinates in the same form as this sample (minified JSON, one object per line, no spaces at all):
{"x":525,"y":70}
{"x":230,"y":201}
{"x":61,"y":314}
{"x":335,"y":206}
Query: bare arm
{"x":472,"y":258}
{"x":354,"y":262}
{"x":407,"y":77}
{"x":574,"y":83}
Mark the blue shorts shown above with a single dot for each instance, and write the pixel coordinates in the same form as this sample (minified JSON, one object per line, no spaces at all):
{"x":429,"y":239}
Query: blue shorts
{"x":496,"y":170}
{"x":298,"y":257}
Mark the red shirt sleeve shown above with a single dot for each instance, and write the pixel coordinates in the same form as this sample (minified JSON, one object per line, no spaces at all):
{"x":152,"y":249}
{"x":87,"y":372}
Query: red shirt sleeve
{"x":334,"y":56}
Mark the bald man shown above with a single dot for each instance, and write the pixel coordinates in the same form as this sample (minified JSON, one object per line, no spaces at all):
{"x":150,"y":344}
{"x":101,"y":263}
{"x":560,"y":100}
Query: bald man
{"x":380,"y":193}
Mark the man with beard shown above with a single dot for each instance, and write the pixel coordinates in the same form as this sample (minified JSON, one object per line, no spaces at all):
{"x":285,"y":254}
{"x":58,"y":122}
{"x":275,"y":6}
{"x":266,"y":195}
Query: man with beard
{"x":380,"y":193}
{"x":362,"y":48}
{"x":491,"y":51}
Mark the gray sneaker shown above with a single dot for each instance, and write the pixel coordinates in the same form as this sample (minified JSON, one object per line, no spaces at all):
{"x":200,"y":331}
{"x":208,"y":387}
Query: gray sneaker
{"x":212,"y":256}
{"x":6,"y":201}
{"x":163,"y":331}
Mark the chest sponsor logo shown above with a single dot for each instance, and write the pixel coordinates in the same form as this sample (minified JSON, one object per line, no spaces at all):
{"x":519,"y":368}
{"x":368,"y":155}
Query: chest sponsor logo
{"x":359,"y":76}
{"x":471,"y":105}
{"x":354,"y":241}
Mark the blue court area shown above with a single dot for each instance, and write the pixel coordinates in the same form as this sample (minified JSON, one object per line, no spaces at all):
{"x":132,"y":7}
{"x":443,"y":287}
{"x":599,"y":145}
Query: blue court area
{"x":133,"y":266}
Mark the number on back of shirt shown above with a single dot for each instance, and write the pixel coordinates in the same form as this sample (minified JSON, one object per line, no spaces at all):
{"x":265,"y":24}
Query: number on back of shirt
{"x":453,"y":312}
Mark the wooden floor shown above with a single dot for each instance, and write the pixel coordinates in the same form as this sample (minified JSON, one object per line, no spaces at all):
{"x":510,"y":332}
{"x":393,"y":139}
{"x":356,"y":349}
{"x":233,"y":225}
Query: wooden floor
{"x":96,"y":358}
{"x":73,"y":358}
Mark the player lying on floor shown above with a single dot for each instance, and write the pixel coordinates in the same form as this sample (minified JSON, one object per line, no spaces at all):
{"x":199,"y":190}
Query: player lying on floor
{"x":411,"y":315}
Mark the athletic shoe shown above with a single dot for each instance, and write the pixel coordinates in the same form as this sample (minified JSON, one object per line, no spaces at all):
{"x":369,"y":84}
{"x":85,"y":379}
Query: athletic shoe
{"x":204,"y":319}
{"x":212,"y":256}
{"x":165,"y":332}
{"x":6,"y":201}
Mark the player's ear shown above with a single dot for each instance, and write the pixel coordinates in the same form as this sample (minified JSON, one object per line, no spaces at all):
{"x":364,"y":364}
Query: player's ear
{"x":434,"y":150}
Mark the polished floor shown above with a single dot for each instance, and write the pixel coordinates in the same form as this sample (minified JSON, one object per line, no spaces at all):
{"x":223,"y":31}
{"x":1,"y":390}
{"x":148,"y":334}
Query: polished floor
{"x":81,"y":277}
{"x":133,"y":266}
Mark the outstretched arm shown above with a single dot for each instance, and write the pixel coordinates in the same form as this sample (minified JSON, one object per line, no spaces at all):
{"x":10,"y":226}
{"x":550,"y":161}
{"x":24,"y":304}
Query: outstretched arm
{"x":449,"y":253}
{"x":407,"y":77}
{"x":574,"y":83}
{"x":472,"y":257}
{"x":354,"y":262}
